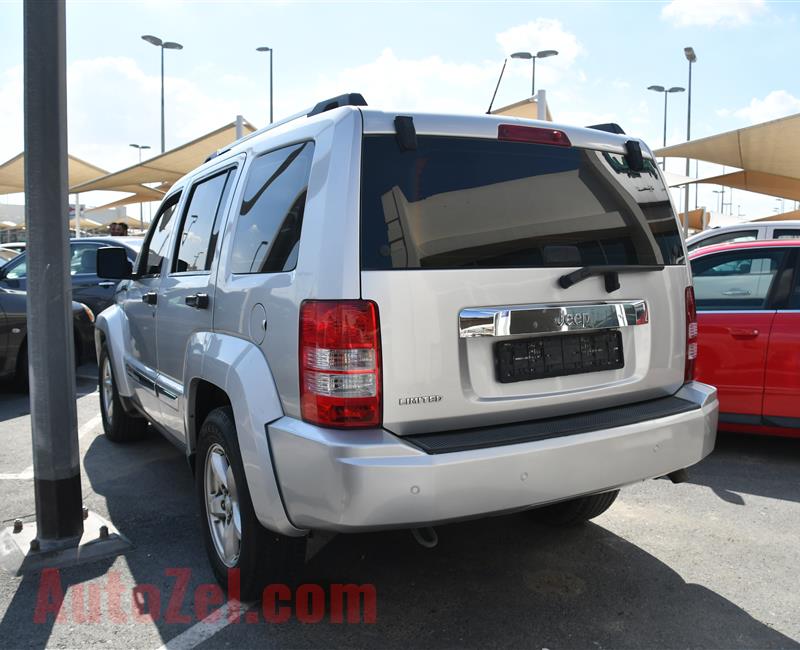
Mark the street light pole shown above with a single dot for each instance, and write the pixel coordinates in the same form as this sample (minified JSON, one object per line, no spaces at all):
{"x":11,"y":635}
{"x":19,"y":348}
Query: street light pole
{"x":691,"y":57}
{"x":541,"y":54}
{"x":140,"y":147}
{"x":164,"y":45}
{"x":666,"y":91}
{"x":51,"y":352}
{"x":264,"y":48}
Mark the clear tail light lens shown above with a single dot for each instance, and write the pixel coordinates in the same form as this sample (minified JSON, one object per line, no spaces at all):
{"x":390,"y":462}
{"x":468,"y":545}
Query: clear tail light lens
{"x":691,"y":335}
{"x":340,"y":363}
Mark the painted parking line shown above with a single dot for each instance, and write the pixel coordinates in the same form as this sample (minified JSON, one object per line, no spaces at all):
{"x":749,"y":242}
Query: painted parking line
{"x":27,"y":473}
{"x":215,"y":622}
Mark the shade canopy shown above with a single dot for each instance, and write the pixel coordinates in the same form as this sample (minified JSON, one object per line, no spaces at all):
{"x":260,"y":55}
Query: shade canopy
{"x":167,"y":167}
{"x":12,"y":177}
{"x":12,"y":173}
{"x":761,"y":182}
{"x":129,"y":200}
{"x":698,"y":219}
{"x":770,"y":147}
{"x":527,"y":108}
{"x":792,"y":215}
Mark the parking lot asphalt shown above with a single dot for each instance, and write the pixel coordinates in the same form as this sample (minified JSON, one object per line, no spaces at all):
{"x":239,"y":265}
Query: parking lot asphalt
{"x":711,"y":563}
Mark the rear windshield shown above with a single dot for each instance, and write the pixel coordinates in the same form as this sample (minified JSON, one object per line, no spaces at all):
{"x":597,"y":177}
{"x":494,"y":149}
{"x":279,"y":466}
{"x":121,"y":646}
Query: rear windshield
{"x":460,"y":202}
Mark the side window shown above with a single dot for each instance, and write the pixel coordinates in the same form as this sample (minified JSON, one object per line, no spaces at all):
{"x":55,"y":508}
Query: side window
{"x":735,"y":280}
{"x":155,"y":246}
{"x":271,"y":216}
{"x":199,"y":228}
{"x":83,"y":259}
{"x":726,"y":238}
{"x":786,"y":233}
{"x":17,"y":268}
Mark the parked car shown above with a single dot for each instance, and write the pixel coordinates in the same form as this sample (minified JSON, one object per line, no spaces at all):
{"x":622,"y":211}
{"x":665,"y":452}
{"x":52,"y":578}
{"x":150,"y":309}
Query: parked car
{"x":357,"y":320}
{"x":87,"y":287}
{"x":18,"y":246}
{"x":744,"y":232}
{"x":14,"y":335}
{"x":6,"y":255}
{"x":748,"y":314}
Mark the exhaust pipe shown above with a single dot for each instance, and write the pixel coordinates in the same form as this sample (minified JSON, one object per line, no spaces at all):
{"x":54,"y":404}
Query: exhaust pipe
{"x":426,"y":537}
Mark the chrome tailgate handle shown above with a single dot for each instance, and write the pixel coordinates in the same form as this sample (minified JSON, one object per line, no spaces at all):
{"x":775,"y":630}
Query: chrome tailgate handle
{"x":545,"y":319}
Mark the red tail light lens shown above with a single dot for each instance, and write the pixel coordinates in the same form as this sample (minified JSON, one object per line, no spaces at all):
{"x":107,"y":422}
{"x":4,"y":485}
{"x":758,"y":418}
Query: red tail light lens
{"x":340,"y":363}
{"x":532,"y":134}
{"x":691,"y":334}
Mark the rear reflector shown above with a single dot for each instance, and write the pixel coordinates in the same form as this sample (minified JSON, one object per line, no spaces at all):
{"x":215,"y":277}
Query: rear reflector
{"x":532,"y":134}
{"x":340,"y":364}
{"x":691,"y":335}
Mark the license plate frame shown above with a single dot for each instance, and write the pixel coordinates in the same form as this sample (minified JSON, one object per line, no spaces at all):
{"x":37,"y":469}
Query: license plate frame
{"x":559,"y":355}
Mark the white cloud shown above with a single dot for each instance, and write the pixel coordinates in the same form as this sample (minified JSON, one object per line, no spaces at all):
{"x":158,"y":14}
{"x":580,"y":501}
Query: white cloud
{"x":778,"y":103}
{"x":542,"y":34}
{"x":710,"y":13}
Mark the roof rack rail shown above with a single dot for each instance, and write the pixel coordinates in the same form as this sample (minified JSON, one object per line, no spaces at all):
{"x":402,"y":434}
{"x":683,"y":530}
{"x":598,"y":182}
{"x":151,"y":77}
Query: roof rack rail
{"x":348,"y":99}
{"x":610,"y":127}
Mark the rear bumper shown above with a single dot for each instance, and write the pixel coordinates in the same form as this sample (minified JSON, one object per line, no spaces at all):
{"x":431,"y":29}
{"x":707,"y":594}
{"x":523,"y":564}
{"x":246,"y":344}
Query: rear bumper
{"x":364,"y":480}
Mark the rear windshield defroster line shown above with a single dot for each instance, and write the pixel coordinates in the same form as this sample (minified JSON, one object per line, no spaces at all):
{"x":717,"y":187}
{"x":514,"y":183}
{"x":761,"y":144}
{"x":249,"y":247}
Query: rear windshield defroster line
{"x":478,"y":203}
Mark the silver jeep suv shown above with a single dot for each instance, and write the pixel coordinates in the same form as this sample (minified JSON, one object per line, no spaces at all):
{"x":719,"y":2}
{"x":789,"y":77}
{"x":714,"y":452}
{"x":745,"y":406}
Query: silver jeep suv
{"x":356,"y":320}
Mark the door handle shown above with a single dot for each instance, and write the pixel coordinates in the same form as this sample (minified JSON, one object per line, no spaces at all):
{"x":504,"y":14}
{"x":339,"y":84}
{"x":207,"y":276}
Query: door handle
{"x":743,"y":332}
{"x":106,"y":283}
{"x":736,"y":292}
{"x":198,"y":300}
{"x":150,"y":298}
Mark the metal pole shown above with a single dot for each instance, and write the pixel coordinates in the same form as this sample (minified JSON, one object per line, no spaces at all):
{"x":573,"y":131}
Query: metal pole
{"x":141,"y":204}
{"x":664,"y":159}
{"x":77,"y":216}
{"x":533,"y":76}
{"x":688,"y":137}
{"x":270,"y":87}
{"x":51,"y":351}
{"x":162,"y":99}
{"x":239,"y":128}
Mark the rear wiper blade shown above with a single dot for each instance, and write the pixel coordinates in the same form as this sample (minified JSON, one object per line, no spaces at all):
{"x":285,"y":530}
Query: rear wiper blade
{"x":610,"y":273}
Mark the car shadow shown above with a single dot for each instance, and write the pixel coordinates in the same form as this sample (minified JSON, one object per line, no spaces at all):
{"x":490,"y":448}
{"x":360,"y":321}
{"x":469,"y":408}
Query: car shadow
{"x":498,"y":581}
{"x":16,"y":403}
{"x":751,"y":464}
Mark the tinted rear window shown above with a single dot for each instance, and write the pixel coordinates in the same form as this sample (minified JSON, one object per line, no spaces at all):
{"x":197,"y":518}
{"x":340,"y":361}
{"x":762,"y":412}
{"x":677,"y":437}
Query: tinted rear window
{"x":461,"y":203}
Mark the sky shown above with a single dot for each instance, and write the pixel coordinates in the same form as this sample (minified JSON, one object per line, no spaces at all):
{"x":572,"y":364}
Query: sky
{"x":426,"y":56}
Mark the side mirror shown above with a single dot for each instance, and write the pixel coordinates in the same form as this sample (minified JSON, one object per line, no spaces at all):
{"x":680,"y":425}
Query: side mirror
{"x":113,"y":263}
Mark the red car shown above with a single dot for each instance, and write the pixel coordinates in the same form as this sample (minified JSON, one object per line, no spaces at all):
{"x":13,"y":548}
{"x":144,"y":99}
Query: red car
{"x":748,"y":309}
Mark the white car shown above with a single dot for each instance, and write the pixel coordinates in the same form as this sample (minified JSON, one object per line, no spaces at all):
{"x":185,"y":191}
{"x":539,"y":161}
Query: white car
{"x":357,"y":320}
{"x":744,"y":232}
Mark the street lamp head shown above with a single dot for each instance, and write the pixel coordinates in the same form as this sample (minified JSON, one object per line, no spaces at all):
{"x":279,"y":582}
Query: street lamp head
{"x":522,"y":55}
{"x":263,"y":48}
{"x":170,"y":45}
{"x":690,"y":55}
{"x":658,"y":89}
{"x":545,"y":53}
{"x":153,"y":40}
{"x":676,"y":89}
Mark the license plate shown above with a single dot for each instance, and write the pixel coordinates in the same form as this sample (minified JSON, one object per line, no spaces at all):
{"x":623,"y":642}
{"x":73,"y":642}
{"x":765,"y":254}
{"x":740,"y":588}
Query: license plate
{"x":556,"y":356}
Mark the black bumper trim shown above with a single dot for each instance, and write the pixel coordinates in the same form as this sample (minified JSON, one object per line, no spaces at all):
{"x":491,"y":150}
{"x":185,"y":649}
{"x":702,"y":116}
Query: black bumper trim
{"x":567,"y":425}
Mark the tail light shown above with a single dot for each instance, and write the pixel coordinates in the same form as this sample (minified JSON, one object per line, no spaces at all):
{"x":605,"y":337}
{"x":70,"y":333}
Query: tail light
{"x":691,"y":335}
{"x":340,"y":363}
{"x":532,"y":134}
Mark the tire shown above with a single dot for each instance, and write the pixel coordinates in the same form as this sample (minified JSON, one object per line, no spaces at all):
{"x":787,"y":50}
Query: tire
{"x":21,"y":379}
{"x":118,"y":425}
{"x":575,"y":511}
{"x":260,"y":555}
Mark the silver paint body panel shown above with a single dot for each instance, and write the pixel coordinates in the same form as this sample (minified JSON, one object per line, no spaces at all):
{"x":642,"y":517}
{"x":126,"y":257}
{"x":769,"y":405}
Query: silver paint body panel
{"x":301,"y":476}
